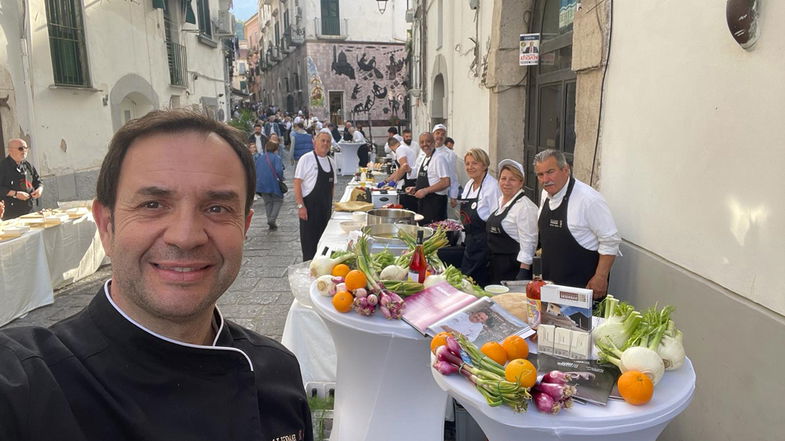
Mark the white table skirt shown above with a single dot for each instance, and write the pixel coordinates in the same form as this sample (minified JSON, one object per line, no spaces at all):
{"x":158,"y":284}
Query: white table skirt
{"x":384,"y":390}
{"x":306,"y":335}
{"x":41,"y":260}
{"x":346,"y":160}
{"x":618,"y":421}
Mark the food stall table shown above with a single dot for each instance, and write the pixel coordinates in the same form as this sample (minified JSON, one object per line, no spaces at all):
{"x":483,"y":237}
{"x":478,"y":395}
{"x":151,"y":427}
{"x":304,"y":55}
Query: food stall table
{"x":44,"y":259}
{"x":346,"y":160}
{"x":618,"y":421}
{"x":384,"y":391}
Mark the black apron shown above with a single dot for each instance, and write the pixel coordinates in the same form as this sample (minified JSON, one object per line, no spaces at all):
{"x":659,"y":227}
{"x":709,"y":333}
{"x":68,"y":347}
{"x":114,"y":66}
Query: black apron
{"x":318,"y":204}
{"x":475,"y":253}
{"x":408,"y":201}
{"x":502,"y":248}
{"x":564,"y":260}
{"x":432,"y":207}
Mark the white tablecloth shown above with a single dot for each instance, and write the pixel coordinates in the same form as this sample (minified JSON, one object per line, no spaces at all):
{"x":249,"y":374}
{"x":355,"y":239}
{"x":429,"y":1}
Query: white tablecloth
{"x":618,"y":421}
{"x":384,"y":391}
{"x":346,"y":160}
{"x":41,"y":260}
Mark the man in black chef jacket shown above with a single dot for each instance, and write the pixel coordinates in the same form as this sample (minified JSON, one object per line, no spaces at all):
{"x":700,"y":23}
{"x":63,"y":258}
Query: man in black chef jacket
{"x":151,"y":357}
{"x":20,"y":184}
{"x":578,"y":236}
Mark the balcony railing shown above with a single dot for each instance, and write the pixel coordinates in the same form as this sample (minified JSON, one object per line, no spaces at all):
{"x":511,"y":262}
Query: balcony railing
{"x":177,"y":63}
{"x":331,"y":28}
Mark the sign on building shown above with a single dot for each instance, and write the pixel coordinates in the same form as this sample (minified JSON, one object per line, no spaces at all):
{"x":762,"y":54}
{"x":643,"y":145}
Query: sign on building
{"x":529,"y":50}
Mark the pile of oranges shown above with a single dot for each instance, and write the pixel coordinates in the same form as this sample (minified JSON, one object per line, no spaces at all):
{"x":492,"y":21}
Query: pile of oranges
{"x":512,"y":352}
{"x":353,"y":279}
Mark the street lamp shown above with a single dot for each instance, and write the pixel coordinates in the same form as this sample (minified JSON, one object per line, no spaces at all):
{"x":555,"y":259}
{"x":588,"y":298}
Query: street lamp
{"x":382,"y":5}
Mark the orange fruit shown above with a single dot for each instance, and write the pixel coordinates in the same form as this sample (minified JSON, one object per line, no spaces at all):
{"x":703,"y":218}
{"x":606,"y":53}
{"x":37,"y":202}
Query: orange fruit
{"x":355,"y":279}
{"x":516,"y":347}
{"x":341,"y":270}
{"x":495,"y":352}
{"x":342,"y":301}
{"x":521,"y":371}
{"x":439,"y":339}
{"x":635,"y":387}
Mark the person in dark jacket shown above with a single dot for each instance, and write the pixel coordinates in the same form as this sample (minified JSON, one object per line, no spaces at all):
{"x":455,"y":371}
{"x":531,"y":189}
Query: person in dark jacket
{"x":20,"y":184}
{"x":151,"y":357}
{"x":269,"y":170}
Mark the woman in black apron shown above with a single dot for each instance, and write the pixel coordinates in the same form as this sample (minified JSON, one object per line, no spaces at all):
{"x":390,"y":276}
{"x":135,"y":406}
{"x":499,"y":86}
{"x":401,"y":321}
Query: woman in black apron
{"x":505,"y":243}
{"x":476,"y":205}
{"x":318,"y":203}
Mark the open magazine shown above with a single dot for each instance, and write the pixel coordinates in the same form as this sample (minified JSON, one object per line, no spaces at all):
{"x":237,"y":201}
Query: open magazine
{"x":444,"y":308}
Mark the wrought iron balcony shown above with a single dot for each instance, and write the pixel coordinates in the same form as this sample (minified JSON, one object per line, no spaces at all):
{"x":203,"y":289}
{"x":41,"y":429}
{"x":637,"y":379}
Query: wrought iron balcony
{"x":177,"y":63}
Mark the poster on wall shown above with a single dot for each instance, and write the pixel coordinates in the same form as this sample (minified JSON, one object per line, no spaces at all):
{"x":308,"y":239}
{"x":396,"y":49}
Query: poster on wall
{"x":315,"y":86}
{"x":529,"y":50}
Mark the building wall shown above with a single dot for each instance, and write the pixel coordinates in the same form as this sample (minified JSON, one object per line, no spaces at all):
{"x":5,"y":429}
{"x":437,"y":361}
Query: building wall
{"x":69,"y":128}
{"x":691,"y":159}
{"x":363,"y":22}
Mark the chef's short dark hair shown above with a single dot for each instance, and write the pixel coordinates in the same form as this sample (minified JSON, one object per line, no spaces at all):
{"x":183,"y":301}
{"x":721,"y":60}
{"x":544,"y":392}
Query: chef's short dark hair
{"x":392,"y":130}
{"x":391,"y":141}
{"x":543,"y":156}
{"x":169,"y":121}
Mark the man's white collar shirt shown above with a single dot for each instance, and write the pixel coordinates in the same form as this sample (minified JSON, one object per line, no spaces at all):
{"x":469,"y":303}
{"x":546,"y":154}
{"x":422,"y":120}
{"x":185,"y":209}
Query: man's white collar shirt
{"x":589,"y":218}
{"x":521,"y":225}
{"x":308,"y":171}
{"x":438,"y":168}
{"x":453,"y":161}
{"x":411,"y":159}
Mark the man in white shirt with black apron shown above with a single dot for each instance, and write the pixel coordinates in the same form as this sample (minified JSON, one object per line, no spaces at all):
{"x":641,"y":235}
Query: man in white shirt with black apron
{"x":578,"y":235}
{"x":314,"y":181}
{"x":433,"y":182}
{"x":405,"y":159}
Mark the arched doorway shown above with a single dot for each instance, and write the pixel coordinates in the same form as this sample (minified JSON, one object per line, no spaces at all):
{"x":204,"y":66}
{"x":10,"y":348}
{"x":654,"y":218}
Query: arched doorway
{"x":134,"y":105}
{"x":438,"y":101}
{"x":550,"y":107}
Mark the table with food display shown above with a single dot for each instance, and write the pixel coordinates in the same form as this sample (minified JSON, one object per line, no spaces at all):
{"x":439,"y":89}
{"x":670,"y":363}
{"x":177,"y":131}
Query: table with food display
{"x":41,"y":252}
{"x":380,"y":287}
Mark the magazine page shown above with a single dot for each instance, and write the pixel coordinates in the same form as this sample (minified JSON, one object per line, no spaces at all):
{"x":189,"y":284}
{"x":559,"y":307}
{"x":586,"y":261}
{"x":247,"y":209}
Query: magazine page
{"x":433,"y":304}
{"x":483,"y":321}
{"x":594,"y":380}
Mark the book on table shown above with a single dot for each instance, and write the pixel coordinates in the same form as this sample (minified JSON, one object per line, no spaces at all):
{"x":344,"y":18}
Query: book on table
{"x":593,"y":380}
{"x":442,"y":307}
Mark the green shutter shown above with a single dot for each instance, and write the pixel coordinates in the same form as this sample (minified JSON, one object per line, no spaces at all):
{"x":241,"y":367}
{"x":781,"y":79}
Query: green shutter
{"x":190,"y":17}
{"x":159,"y":4}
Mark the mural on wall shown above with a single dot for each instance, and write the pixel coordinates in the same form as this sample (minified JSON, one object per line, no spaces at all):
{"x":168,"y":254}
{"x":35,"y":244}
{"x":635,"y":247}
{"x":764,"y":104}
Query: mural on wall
{"x":315,"y":85}
{"x":371,"y":77}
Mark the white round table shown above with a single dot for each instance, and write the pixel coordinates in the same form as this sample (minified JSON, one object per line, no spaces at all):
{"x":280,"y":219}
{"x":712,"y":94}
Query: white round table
{"x":384,"y":390}
{"x":615,"y":422}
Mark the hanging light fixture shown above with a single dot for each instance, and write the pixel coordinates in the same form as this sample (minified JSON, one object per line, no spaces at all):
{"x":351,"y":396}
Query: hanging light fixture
{"x":382,"y":5}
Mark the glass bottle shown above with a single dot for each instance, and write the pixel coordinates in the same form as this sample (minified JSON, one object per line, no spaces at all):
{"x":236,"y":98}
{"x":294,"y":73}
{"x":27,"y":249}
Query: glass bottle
{"x":418,"y":265}
{"x":533,"y":303}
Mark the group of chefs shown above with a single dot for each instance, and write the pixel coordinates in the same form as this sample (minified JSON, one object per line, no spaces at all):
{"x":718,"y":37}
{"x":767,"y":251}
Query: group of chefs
{"x":573,"y":226}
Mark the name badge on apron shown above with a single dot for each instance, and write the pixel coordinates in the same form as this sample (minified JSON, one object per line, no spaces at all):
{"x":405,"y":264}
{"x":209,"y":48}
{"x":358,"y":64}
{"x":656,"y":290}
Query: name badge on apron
{"x":555,"y":223}
{"x":474,"y":205}
{"x":494,"y":230}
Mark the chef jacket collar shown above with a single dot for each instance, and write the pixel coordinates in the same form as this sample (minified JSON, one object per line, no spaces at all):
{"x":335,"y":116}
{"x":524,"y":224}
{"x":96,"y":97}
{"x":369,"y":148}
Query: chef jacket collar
{"x":138,"y":336}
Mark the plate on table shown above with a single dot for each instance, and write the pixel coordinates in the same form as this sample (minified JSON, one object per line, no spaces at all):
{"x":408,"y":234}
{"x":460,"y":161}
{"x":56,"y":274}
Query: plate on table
{"x":8,"y":236}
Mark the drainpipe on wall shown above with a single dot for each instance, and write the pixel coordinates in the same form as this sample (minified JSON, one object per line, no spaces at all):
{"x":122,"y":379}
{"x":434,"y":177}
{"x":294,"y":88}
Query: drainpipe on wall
{"x":25,"y":38}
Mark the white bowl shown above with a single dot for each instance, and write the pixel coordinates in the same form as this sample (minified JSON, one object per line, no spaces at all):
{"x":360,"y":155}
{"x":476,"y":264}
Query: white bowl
{"x":497,"y":289}
{"x":349,"y":226}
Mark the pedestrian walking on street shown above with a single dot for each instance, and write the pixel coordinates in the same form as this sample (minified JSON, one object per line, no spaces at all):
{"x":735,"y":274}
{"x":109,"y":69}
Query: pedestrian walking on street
{"x":314,"y":182}
{"x":302,"y":142}
{"x":269,"y":172}
{"x":151,"y":357}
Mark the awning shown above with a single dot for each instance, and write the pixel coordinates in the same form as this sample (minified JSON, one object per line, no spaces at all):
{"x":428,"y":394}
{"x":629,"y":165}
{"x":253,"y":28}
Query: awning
{"x":188,"y":11}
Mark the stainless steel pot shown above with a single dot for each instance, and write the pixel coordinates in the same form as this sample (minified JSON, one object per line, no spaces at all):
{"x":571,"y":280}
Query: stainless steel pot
{"x":390,"y":216}
{"x":388,"y":233}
